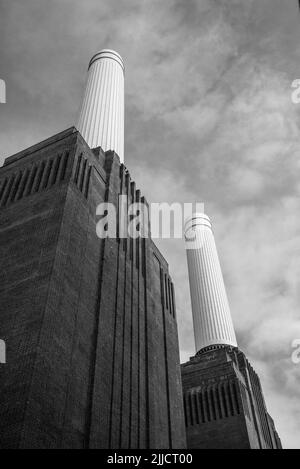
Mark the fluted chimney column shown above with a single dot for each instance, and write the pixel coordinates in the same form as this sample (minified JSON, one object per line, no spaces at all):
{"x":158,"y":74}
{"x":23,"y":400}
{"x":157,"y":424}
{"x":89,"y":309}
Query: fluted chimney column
{"x":101,"y":121}
{"x":211,"y":314}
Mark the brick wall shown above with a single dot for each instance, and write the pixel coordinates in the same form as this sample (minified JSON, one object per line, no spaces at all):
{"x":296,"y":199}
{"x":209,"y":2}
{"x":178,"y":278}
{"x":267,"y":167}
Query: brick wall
{"x":88,"y":338}
{"x":223,"y":403}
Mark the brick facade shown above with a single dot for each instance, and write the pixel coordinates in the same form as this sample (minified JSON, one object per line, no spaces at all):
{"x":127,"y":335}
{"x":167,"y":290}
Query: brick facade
{"x":89,"y":324}
{"x":224,"y":404}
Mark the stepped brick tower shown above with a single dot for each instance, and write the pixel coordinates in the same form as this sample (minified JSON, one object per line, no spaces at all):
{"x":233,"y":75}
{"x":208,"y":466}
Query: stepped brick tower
{"x":223,"y":400}
{"x":89,"y":324}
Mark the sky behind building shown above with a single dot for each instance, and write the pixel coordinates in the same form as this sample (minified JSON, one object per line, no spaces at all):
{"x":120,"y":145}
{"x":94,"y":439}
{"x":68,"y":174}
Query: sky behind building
{"x":209,"y":118}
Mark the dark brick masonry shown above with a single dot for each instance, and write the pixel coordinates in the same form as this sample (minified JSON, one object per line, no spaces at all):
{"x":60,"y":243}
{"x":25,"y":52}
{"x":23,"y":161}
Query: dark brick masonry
{"x":90,"y":324}
{"x":224,"y":404}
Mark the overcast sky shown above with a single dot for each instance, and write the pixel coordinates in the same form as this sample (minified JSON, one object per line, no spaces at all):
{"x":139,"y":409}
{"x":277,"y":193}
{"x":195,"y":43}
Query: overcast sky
{"x":209,"y":118}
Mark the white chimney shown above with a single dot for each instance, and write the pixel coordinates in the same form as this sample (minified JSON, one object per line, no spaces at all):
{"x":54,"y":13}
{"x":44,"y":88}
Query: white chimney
{"x":101,"y":121}
{"x":211,"y":314}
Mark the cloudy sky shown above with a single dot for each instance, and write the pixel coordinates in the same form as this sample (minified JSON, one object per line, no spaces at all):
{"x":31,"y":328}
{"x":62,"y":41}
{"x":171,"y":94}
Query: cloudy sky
{"x":209,"y":118}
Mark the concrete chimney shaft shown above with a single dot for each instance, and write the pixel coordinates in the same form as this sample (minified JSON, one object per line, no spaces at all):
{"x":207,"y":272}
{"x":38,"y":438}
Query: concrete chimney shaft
{"x":101,"y":121}
{"x":211,"y":314}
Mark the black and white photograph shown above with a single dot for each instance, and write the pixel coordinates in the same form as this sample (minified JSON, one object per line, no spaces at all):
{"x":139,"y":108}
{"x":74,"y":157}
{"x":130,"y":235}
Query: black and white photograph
{"x":150,"y":227}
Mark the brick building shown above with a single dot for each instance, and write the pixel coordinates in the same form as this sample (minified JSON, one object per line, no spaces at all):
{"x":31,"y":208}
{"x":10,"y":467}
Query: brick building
{"x":223,"y":400}
{"x":224,"y":404}
{"x":89,"y":323}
